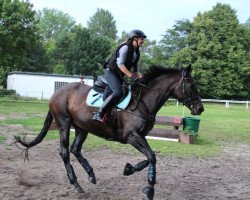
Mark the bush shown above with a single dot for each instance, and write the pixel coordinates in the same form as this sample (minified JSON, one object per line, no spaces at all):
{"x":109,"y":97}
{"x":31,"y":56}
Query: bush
{"x":5,"y":92}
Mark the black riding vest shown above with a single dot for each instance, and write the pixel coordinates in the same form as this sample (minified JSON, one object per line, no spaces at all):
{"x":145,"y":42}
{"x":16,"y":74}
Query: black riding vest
{"x":112,"y":65}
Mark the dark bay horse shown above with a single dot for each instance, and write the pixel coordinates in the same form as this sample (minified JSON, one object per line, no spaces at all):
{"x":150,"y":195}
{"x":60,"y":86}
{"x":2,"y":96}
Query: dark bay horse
{"x":68,"y":108}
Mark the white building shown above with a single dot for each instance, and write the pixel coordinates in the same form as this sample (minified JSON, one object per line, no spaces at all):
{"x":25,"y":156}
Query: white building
{"x":41,"y":85}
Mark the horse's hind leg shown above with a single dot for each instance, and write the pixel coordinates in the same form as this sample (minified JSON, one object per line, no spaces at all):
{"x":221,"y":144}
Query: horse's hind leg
{"x":64,"y":127}
{"x":76,"y":147}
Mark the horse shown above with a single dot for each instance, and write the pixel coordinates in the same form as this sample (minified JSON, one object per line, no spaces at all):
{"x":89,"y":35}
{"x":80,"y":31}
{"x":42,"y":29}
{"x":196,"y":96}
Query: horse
{"x":67,"y":107}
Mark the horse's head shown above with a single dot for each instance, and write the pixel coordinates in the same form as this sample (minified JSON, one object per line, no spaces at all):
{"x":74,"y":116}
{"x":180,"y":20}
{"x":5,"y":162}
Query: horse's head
{"x":187,"y":93}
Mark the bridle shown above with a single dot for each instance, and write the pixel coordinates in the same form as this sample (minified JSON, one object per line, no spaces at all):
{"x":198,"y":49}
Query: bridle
{"x":187,"y":101}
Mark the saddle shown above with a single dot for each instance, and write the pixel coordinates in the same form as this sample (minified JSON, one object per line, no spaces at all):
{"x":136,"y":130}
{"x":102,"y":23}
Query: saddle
{"x":101,"y":91}
{"x":100,"y":84}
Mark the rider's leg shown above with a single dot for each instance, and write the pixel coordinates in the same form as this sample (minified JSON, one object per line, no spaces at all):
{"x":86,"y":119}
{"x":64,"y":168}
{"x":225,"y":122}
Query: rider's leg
{"x":115,"y":84}
{"x":106,"y":106}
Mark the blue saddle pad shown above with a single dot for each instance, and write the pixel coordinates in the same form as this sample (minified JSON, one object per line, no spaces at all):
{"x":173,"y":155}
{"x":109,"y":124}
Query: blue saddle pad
{"x":94,"y":99}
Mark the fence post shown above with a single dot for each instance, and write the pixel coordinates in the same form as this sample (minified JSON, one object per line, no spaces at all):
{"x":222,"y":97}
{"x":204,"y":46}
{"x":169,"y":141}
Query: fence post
{"x":247,"y":105}
{"x":227,"y":104}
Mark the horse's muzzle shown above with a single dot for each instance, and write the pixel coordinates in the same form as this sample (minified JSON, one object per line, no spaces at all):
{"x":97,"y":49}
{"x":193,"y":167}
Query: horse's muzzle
{"x":197,"y":108}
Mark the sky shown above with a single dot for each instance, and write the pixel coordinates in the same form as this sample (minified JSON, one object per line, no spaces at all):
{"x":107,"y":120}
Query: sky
{"x":153,"y":17}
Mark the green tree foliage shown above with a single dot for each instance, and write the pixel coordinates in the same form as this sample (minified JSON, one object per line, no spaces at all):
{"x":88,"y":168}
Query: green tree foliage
{"x":246,"y":68}
{"x":148,"y":57}
{"x":248,"y":23}
{"x":102,"y":23}
{"x":19,"y":40}
{"x":123,"y":37}
{"x":82,"y":52}
{"x":53,"y":23}
{"x":217,"y":50}
{"x":175,"y":39}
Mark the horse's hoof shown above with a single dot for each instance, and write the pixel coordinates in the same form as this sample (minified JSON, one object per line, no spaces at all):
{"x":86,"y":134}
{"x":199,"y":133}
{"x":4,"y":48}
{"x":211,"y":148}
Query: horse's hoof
{"x":78,"y":188}
{"x":92,"y":179}
{"x":149,"y":191}
{"x":128,"y":169}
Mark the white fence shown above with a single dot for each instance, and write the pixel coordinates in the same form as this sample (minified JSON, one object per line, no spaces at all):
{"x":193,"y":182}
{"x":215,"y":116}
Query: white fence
{"x":226,"y":102}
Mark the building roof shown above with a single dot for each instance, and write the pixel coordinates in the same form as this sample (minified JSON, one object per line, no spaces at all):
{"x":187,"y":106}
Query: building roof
{"x":45,"y":74}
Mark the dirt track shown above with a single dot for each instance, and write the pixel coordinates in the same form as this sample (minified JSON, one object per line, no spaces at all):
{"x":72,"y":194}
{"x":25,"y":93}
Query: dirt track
{"x":44,"y":176}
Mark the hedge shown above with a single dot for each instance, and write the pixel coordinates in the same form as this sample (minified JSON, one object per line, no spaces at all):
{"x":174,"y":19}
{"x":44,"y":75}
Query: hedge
{"x":5,"y":92}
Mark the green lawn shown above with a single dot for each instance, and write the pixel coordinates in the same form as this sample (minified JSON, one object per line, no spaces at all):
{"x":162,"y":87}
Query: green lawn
{"x":219,"y":127}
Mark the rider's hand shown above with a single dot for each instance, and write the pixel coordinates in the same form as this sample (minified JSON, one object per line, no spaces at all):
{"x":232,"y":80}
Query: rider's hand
{"x":136,"y":79}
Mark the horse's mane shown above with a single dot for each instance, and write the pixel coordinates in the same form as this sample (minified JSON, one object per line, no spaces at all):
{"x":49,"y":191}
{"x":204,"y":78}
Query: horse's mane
{"x":155,"y":71}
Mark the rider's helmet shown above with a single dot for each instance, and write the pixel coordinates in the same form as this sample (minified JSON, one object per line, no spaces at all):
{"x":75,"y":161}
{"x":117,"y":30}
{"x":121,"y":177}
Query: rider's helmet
{"x":136,"y":33}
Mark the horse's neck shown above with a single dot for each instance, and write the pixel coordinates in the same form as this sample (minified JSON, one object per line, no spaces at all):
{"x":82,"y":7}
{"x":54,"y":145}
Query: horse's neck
{"x":158,"y":93}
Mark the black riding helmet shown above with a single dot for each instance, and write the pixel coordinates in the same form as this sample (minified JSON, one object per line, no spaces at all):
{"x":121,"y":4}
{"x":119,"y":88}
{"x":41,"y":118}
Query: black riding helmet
{"x":136,"y":33}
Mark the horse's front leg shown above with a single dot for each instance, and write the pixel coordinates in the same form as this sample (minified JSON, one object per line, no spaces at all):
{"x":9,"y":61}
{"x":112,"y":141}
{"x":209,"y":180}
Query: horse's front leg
{"x":129,"y":169}
{"x":141,"y":144}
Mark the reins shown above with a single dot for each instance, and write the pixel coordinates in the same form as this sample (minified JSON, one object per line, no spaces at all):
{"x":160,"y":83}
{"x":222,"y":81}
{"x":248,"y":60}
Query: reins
{"x":139,"y":101}
{"x":150,"y":118}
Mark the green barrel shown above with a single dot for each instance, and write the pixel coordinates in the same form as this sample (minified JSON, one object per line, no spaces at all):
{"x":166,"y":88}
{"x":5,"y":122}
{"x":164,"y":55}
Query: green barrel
{"x":191,"y":123}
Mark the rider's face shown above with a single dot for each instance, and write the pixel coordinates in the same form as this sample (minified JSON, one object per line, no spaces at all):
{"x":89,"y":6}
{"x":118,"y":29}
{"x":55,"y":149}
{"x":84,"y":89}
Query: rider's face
{"x":139,"y":40}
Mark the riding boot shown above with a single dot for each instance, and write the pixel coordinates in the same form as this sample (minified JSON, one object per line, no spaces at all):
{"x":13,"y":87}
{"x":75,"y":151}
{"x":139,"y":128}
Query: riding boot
{"x":106,"y":106}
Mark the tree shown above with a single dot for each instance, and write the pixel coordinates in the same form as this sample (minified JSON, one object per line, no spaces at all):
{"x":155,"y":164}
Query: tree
{"x":216,"y":48}
{"x":246,"y":28}
{"x":82,"y":52}
{"x":148,"y":55}
{"x":248,"y":22}
{"x":218,"y":42}
{"x":53,"y":23}
{"x":103,"y":24}
{"x":175,"y":39}
{"x":19,"y":39}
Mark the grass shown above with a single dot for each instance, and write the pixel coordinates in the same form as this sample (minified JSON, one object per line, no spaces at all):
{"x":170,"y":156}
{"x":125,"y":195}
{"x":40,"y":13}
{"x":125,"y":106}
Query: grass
{"x":219,"y":127}
{"x":224,"y":124}
{"x":2,"y":138}
{"x":13,"y":107}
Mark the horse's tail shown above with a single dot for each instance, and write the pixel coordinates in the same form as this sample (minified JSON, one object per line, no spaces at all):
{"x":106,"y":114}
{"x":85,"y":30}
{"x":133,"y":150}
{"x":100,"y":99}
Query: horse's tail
{"x":48,"y":121}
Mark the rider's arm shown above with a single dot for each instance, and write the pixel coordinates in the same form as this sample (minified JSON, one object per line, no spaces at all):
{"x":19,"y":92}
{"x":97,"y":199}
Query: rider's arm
{"x":121,"y":60}
{"x":124,"y":69}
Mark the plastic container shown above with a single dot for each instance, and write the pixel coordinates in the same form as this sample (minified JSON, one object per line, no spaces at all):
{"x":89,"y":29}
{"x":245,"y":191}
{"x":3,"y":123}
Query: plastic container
{"x":191,"y":123}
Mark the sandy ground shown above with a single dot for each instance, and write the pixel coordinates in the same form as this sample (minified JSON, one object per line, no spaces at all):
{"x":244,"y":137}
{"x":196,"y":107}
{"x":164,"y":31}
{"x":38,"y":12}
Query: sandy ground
{"x":44,"y":176}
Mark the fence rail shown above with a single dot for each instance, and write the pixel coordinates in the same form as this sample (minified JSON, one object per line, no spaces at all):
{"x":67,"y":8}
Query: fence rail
{"x":226,"y":102}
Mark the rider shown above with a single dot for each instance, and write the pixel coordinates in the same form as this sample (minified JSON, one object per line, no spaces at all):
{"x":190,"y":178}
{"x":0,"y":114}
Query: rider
{"x":124,"y":59}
